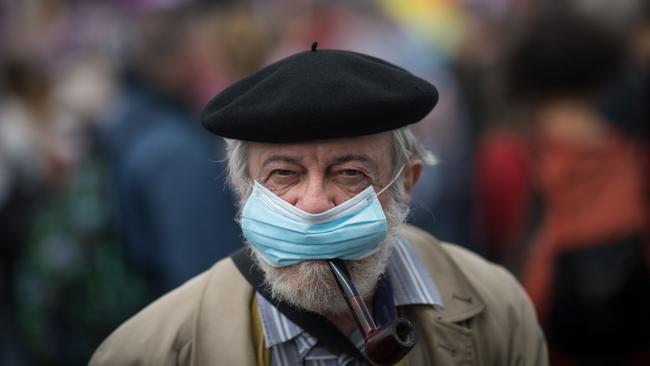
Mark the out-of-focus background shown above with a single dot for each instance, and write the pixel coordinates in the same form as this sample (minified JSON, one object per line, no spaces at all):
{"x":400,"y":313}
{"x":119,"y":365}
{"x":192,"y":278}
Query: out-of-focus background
{"x":112,"y":194}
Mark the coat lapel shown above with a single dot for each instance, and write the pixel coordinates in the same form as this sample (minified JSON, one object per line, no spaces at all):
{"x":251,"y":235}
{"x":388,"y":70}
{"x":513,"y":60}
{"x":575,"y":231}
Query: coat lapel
{"x":444,"y":335}
{"x":222,"y":326}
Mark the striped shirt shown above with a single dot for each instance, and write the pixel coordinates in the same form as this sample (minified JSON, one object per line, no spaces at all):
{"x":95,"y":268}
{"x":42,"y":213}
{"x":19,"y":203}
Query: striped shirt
{"x":291,"y":345}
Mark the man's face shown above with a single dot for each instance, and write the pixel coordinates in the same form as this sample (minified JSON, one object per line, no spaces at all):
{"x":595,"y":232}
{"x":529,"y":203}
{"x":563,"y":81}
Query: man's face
{"x":314,"y":177}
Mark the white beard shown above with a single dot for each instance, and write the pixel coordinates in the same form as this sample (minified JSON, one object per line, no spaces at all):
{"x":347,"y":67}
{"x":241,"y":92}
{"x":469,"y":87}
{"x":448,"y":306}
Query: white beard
{"x":311,"y":286}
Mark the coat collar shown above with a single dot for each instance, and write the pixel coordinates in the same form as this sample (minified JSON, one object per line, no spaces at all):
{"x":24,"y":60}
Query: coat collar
{"x":222,"y":323}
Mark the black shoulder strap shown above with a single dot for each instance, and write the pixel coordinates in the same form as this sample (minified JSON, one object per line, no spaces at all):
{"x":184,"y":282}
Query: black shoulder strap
{"x":315,"y":324}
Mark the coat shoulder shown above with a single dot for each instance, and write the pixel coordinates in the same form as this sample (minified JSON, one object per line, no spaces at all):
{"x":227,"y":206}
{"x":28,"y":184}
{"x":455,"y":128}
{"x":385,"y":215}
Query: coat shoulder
{"x":486,"y":277}
{"x":503,"y":317}
{"x":162,"y":332}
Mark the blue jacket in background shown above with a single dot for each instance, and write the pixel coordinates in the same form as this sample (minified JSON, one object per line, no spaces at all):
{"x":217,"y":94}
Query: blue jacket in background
{"x":171,"y":204}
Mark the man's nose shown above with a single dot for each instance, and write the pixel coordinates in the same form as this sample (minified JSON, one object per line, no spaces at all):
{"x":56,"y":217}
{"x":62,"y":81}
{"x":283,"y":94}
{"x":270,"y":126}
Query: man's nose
{"x":315,"y":199}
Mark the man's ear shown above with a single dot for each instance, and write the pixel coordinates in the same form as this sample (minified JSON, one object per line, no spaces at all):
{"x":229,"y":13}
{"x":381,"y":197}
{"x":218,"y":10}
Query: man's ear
{"x":412,"y":173}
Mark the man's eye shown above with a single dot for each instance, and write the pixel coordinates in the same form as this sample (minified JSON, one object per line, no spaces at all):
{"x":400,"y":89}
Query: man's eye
{"x":350,"y":172}
{"x":282,"y":172}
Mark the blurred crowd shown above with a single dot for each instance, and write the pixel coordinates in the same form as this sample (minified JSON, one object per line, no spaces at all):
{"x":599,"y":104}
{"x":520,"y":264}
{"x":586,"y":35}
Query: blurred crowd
{"x":111,"y":193}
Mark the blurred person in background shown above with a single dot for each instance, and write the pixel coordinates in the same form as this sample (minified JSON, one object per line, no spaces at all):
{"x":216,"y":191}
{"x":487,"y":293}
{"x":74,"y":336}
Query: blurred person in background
{"x":175,"y":217}
{"x":38,"y":154}
{"x":72,"y":250}
{"x":72,"y":279}
{"x":34,"y":147}
{"x":564,"y":199}
{"x":57,"y":81}
{"x":27,"y":166}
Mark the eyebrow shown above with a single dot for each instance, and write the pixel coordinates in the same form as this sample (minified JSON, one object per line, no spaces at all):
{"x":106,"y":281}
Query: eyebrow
{"x":362,"y":158}
{"x":282,"y":158}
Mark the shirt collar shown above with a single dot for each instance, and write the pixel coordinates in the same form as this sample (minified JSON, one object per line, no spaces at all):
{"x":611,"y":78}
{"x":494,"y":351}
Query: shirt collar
{"x":410,"y":279}
{"x":410,"y":282}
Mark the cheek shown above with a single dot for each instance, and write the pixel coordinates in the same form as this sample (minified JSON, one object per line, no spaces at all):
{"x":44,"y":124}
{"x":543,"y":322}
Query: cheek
{"x":290,"y":195}
{"x":341,"y":194}
{"x":385,"y":200}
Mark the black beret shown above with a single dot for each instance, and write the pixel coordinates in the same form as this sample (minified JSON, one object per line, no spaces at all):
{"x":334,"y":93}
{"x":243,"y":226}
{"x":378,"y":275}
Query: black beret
{"x":319,"y":94}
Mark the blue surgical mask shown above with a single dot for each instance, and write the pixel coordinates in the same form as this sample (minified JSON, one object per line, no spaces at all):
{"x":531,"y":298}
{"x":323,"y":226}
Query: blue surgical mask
{"x":284,"y":234}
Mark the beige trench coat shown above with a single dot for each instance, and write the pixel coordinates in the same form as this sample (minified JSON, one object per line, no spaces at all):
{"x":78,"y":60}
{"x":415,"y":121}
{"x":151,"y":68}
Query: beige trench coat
{"x":487,"y":318}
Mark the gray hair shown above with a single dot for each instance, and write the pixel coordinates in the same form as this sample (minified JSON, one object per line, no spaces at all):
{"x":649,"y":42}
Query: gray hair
{"x":406,"y":149}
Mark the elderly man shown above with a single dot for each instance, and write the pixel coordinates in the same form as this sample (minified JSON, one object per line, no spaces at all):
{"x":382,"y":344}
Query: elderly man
{"x":319,"y":152}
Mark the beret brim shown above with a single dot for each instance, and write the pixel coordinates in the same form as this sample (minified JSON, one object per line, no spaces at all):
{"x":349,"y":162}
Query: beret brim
{"x":317,"y":95}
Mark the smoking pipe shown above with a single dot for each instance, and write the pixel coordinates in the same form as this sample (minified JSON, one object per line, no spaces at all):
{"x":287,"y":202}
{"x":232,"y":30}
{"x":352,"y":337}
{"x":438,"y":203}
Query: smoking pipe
{"x":385,"y":345}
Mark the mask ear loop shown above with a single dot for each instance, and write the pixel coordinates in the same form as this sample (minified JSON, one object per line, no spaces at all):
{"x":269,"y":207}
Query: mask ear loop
{"x":399,"y":172}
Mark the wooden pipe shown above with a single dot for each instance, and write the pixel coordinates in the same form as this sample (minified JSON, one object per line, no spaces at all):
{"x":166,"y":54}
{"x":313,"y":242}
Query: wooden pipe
{"x":385,"y":345}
